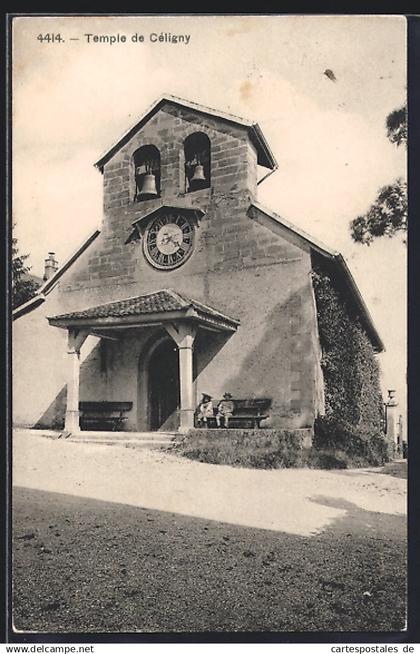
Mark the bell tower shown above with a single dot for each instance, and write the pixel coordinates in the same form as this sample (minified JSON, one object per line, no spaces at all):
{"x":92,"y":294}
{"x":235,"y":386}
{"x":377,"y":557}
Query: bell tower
{"x":176,"y":190}
{"x":181,"y":151}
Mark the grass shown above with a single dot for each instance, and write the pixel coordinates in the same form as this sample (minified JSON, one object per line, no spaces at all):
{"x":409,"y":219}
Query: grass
{"x":266,"y":449}
{"x":248,"y":448}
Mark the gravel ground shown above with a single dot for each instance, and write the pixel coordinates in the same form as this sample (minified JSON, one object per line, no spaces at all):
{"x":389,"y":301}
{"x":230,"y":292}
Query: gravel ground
{"x":108,"y":539}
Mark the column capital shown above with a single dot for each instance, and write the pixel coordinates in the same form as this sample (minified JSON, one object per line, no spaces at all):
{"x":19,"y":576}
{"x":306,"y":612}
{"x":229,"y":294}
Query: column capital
{"x":183,"y":333}
{"x":75,"y":339}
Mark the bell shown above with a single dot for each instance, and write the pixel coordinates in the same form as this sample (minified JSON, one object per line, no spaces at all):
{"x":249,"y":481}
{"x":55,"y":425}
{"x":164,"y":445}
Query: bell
{"x":198,"y":174}
{"x":149,"y":187}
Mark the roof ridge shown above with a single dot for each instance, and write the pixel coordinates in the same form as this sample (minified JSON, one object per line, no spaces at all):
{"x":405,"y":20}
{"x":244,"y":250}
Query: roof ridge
{"x":177,"y":296}
{"x":201,"y":107}
{"x":124,"y":299}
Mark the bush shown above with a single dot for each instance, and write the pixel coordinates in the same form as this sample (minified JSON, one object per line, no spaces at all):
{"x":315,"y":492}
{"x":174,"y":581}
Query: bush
{"x":248,"y":448}
{"x":353,"y":400}
{"x":360,"y":445}
{"x":328,"y":459}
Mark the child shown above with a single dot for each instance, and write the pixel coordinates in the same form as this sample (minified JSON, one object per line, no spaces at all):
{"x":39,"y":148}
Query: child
{"x":205,"y":410}
{"x":225,"y":410}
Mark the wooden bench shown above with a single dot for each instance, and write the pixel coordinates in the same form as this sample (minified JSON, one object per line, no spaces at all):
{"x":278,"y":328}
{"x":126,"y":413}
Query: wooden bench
{"x":246,"y":413}
{"x":103,"y":416}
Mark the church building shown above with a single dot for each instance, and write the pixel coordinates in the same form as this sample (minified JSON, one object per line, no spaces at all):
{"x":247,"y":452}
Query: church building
{"x":189,"y":287}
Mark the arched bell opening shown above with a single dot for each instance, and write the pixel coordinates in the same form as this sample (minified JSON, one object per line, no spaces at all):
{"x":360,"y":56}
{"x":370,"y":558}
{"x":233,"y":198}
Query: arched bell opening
{"x":146,"y":162}
{"x":197,"y":162}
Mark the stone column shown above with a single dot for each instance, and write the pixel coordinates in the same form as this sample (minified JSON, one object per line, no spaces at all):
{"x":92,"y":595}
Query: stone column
{"x":391,"y":418}
{"x":76,"y":338}
{"x":184,"y":335}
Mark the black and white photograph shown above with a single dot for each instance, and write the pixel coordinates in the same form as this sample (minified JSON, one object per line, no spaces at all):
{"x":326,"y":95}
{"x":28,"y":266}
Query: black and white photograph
{"x":209,"y":283}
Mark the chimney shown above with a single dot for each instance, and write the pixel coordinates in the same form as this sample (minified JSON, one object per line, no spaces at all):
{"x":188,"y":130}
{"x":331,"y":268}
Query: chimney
{"x":51,"y":265}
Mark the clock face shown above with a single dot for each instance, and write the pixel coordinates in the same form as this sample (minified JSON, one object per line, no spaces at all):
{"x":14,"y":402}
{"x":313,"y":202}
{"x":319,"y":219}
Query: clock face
{"x":168,"y":240}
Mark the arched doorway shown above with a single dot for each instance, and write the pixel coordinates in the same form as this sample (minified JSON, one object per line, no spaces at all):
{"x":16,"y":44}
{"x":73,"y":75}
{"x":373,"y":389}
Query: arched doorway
{"x":164,"y":386}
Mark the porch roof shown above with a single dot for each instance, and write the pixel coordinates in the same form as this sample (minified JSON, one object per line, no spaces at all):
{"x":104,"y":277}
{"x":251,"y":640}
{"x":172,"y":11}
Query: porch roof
{"x":146,"y":310}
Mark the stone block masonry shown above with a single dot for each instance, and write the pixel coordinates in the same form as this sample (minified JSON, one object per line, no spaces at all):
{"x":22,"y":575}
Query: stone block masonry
{"x":233,"y":157}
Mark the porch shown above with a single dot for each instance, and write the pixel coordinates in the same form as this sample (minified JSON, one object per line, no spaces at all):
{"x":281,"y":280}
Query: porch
{"x":169,"y":324}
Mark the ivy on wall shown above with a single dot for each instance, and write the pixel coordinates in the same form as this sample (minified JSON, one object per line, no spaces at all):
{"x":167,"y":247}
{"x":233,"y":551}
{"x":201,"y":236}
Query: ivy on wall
{"x":353,"y":399}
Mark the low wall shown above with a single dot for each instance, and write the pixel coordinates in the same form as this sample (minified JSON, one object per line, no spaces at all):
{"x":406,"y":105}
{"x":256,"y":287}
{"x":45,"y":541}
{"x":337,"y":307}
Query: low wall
{"x":250,"y":448}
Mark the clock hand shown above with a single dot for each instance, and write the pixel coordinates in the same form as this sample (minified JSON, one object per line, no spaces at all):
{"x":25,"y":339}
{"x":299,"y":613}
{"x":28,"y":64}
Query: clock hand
{"x":166,"y":238}
{"x":172,"y":238}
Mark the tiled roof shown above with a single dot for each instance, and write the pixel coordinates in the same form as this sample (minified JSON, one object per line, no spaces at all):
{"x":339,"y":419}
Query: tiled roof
{"x":159,"y":302}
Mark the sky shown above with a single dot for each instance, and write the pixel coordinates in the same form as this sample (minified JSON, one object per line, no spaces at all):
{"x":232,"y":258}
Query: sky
{"x":72,"y":99}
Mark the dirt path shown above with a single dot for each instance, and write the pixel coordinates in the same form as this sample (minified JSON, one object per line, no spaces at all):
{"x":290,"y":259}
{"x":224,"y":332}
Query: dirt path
{"x":285,"y":500}
{"x":109,"y":539}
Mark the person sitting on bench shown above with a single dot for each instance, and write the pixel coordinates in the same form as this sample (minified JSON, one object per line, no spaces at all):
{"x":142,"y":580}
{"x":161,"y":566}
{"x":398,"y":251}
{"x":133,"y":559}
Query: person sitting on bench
{"x":225,"y":410}
{"x":205,"y":410}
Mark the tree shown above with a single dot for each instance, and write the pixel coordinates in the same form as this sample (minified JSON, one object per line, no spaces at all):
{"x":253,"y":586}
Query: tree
{"x":388,"y":214}
{"x":23,"y":287}
{"x":396,"y":126}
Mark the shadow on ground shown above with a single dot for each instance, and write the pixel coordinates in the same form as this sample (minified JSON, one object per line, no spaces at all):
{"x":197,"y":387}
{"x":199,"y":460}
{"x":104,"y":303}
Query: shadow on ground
{"x":83,"y":565}
{"x":366,"y":524}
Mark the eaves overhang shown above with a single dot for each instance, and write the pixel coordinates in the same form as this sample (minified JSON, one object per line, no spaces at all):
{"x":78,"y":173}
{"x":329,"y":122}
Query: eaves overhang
{"x":141,"y":220}
{"x":195,"y":212}
{"x":28,"y":306}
